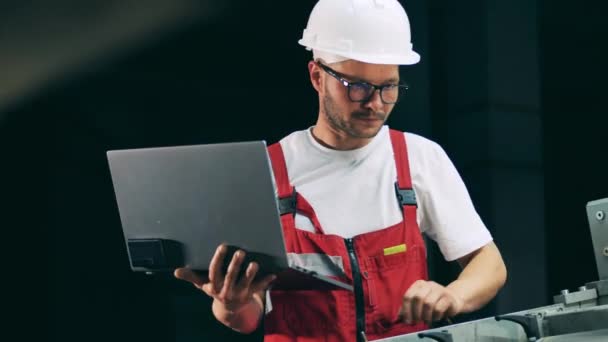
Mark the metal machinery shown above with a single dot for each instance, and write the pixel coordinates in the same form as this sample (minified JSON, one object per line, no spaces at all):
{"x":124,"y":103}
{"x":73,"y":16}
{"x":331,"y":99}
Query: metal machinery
{"x":576,"y":316}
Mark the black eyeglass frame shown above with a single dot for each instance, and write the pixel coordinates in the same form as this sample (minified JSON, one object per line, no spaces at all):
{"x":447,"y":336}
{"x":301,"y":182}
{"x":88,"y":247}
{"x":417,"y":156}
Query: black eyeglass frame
{"x":402,"y":87}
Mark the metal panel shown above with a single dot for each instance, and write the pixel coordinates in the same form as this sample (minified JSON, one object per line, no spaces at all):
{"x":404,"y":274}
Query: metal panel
{"x":552,"y":320}
{"x":577,"y":320}
{"x":484,"y":330}
{"x":597,"y":214}
{"x":589,"y":336}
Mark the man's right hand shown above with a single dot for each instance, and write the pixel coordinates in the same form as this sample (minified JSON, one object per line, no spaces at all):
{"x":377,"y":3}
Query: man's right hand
{"x":226,"y":290}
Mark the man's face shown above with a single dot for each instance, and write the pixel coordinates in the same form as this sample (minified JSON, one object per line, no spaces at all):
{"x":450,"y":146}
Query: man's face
{"x":361,"y":120}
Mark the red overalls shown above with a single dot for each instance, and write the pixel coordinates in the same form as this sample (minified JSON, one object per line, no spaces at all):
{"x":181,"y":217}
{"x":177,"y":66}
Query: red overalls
{"x":380,"y":275}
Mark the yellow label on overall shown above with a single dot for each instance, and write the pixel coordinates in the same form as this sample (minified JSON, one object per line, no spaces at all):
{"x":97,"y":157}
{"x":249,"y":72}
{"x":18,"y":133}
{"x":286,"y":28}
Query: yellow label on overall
{"x":395,"y":249}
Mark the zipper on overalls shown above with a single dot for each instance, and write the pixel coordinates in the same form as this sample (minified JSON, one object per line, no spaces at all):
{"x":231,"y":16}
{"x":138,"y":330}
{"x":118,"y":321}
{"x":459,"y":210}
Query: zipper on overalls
{"x":358,"y":287}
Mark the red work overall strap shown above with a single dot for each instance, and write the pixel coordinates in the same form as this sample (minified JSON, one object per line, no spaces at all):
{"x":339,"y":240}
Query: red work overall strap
{"x":281,"y":178}
{"x":404,"y":178}
{"x":279,"y":168}
{"x":306,"y":209}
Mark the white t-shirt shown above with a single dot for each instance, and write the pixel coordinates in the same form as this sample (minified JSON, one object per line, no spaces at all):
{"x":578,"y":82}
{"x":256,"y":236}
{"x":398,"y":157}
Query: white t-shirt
{"x":352,"y":192}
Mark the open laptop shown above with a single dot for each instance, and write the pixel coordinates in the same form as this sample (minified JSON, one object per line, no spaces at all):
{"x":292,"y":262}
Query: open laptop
{"x":178,"y":204}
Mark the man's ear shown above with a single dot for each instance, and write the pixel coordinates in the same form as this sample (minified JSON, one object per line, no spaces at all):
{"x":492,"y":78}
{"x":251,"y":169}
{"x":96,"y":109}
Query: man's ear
{"x":315,"y":75}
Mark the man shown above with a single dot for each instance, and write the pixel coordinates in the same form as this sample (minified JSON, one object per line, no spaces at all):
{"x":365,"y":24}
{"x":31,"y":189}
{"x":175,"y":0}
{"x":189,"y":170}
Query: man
{"x":364,"y":194}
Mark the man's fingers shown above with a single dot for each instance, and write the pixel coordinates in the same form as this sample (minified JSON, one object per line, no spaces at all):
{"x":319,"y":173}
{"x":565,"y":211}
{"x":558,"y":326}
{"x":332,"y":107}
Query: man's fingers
{"x":250,"y":273}
{"x":441,"y":307}
{"x":453,"y":309}
{"x":408,"y":299}
{"x":232,"y":273}
{"x":418,"y":302}
{"x":190,"y":276}
{"x":406,"y":309}
{"x":428,"y":305}
{"x":215,"y":268}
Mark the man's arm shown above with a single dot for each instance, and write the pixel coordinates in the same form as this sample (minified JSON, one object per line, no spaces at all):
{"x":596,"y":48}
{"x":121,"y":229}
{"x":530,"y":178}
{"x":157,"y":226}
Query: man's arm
{"x":483,"y":274}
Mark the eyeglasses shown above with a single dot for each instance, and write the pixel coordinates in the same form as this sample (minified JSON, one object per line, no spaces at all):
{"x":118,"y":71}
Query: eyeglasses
{"x":363,"y":91}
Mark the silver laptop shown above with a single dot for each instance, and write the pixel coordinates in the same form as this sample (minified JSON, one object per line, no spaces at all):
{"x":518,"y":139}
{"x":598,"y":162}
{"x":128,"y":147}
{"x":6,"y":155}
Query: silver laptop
{"x":177,"y":204}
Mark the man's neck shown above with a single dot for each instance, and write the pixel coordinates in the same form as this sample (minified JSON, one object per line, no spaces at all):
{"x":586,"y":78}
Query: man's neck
{"x":334,"y":139}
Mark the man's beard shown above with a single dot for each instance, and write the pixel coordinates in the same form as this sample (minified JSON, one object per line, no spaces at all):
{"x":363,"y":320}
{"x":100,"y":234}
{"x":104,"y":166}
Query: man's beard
{"x":340,"y":123}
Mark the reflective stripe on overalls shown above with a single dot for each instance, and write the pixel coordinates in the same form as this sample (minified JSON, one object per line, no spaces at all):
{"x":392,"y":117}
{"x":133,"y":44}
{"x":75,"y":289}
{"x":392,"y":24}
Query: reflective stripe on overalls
{"x":381,"y":266}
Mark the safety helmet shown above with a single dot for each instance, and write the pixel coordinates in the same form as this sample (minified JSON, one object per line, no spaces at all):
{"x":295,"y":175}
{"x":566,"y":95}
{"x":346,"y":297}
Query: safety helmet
{"x":371,"y":31}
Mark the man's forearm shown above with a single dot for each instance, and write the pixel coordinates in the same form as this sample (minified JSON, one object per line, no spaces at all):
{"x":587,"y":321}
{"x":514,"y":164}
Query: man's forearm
{"x":245,"y":320}
{"x":484,"y":274}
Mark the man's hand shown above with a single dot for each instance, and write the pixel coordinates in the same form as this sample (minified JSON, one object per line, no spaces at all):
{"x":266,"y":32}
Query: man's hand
{"x":483,"y":274}
{"x":428,"y":301}
{"x":237,"y":303}
{"x":225,"y":288}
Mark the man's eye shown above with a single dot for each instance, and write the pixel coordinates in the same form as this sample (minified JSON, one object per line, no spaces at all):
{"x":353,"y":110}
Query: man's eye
{"x":360,"y":86}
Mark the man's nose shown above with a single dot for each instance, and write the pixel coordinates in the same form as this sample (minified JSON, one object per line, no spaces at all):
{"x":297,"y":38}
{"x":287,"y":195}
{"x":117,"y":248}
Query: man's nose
{"x":375,"y":101}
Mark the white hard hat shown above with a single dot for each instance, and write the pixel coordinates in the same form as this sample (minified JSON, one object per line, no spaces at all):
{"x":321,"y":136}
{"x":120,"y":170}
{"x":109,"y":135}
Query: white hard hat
{"x":371,"y":31}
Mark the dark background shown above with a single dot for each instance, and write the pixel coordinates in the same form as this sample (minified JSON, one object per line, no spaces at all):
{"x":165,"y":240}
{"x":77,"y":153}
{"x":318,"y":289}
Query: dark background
{"x":513,"y":90}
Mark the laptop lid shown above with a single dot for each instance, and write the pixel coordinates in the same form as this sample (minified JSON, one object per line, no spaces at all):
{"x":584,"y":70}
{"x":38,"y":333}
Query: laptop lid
{"x":178,"y":204}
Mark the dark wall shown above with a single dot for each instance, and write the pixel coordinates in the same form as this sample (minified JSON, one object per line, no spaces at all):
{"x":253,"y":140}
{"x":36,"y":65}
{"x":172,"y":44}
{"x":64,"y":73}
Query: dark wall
{"x":243,"y":77}
{"x":575,"y":122}
{"x":236,"y":79}
{"x":239,"y":78}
